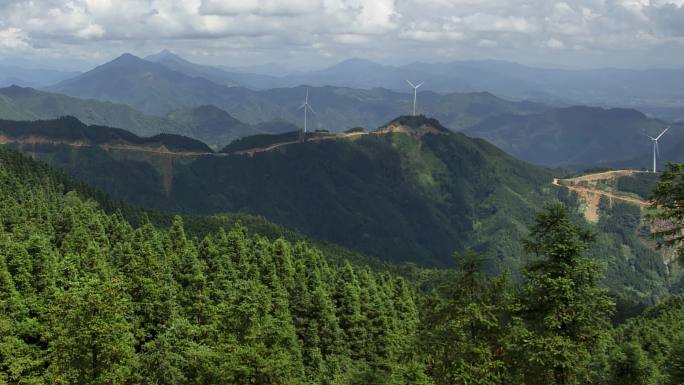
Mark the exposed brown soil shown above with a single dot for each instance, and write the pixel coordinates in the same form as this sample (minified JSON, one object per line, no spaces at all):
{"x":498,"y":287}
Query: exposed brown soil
{"x":419,"y":132}
{"x":274,"y":146}
{"x":591,"y":195}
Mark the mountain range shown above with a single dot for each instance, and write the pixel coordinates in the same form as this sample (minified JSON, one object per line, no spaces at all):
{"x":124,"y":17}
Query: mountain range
{"x":168,"y":94}
{"x":655,"y":91}
{"x":581,"y":136}
{"x":206,"y":123}
{"x":411,"y":191}
{"x":157,"y":90}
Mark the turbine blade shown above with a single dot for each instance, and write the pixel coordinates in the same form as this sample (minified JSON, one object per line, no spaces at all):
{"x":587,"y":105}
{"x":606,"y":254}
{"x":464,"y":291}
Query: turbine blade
{"x":302,"y":106}
{"x":649,"y":136}
{"x":419,"y":85}
{"x":410,"y":84}
{"x":662,"y":133}
{"x":311,"y":108}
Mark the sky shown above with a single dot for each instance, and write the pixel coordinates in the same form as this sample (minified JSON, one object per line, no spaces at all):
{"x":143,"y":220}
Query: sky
{"x":306,"y":34}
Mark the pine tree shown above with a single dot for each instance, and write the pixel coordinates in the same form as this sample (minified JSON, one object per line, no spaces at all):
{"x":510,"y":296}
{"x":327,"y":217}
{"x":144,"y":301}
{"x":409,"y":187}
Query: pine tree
{"x":150,"y":282}
{"x":464,"y":325}
{"x":631,"y":366}
{"x":565,"y":310}
{"x":44,"y":264}
{"x":675,"y":362}
{"x":90,"y":336}
{"x":348,"y":304}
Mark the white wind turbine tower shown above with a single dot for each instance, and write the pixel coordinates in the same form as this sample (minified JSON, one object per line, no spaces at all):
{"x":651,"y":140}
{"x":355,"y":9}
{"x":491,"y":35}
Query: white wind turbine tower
{"x":655,"y":147}
{"x":415,"y":95}
{"x":306,"y":106}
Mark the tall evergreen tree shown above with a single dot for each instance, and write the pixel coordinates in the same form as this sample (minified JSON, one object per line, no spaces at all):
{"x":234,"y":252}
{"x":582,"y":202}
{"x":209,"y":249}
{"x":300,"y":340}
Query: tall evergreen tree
{"x":563,"y":306}
{"x":632,"y":367}
{"x":675,"y":362}
{"x":91,"y":337}
{"x":348,"y":303}
{"x":464,"y":325}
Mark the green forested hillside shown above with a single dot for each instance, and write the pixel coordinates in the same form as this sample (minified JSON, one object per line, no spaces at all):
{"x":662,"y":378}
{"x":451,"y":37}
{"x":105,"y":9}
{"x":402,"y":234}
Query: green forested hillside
{"x":579,"y":135}
{"x":88,"y":298}
{"x":8,"y":110}
{"x":71,"y":129}
{"x":648,"y":349}
{"x":35,"y":104}
{"x":85,"y":298}
{"x":206,"y":123}
{"x":397,"y":196}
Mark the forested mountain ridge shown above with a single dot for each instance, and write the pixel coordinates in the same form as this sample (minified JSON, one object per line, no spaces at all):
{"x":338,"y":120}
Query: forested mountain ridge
{"x":410,"y":191}
{"x":394,"y":195}
{"x":70,"y":131}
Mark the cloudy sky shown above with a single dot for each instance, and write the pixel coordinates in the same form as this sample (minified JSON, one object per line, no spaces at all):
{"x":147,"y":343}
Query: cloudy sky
{"x":312,"y":33}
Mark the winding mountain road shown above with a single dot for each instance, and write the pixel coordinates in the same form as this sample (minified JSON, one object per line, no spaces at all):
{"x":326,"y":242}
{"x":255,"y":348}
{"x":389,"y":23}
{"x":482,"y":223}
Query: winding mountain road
{"x":592,"y":195}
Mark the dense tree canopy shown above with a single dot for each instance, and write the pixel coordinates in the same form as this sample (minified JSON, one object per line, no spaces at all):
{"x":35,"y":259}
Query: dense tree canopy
{"x":88,"y":296}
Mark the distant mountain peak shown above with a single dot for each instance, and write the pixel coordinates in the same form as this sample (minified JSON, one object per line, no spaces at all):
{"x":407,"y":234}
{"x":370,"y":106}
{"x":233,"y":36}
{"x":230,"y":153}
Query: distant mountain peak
{"x":165,"y":52}
{"x":125,"y":59}
{"x":163,"y":55}
{"x":15,"y":90}
{"x":355,"y":63}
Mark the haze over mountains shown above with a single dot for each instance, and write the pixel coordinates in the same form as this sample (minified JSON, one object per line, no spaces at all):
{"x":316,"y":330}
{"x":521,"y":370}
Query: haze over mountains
{"x":158,"y":90}
{"x":656,"y":91}
{"x":32,"y":77}
{"x":166,"y":93}
{"x":206,"y":123}
{"x":580,"y":136}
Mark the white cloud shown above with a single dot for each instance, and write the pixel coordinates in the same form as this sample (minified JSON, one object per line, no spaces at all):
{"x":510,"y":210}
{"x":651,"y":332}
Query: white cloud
{"x":554,"y":43}
{"x":260,"y":7}
{"x":350,"y":38}
{"x":13,"y":38}
{"x":483,"y":22}
{"x":486,"y":43}
{"x":273,"y":30}
{"x":376,"y":16}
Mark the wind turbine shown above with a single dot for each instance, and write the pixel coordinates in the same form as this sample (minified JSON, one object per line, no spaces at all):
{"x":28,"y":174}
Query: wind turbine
{"x":306,"y":106}
{"x":656,"y":151}
{"x":415,"y":95}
